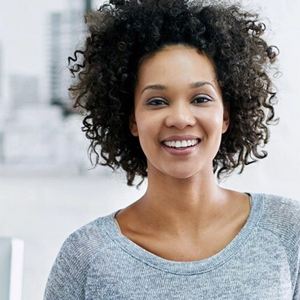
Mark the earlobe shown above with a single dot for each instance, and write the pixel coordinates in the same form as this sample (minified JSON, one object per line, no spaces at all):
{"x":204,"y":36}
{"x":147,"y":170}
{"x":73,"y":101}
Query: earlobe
{"x":226,"y":119}
{"x":132,"y":125}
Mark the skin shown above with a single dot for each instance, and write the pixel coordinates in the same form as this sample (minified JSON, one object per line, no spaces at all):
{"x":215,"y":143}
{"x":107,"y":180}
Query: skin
{"x":184,"y":215}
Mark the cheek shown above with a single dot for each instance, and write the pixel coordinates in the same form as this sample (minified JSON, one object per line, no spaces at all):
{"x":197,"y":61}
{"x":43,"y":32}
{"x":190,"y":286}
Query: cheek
{"x":147,"y":123}
{"x":136,"y":122}
{"x":141,"y":127}
{"x":147,"y":134}
{"x":212,"y":122}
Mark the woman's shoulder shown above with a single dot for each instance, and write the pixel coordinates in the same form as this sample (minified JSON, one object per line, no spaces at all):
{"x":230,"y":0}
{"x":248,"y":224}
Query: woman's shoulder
{"x":279,"y":214}
{"x":72,"y":264}
{"x":279,"y":206}
{"x":90,"y":236}
{"x":84,"y":244}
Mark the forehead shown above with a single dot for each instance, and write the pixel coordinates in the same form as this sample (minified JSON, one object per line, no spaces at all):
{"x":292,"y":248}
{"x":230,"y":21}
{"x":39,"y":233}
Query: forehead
{"x":176,"y":64}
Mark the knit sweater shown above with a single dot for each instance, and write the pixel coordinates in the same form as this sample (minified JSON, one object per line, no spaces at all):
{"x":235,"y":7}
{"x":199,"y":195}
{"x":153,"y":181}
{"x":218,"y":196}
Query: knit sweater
{"x":261,"y":262}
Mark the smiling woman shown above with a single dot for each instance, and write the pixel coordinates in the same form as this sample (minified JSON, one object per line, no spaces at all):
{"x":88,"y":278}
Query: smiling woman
{"x":228,"y":37}
{"x":178,"y":92}
{"x":179,"y":114}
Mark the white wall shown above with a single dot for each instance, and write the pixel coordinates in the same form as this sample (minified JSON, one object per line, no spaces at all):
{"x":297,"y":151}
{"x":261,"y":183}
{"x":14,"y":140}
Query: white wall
{"x":43,"y":210}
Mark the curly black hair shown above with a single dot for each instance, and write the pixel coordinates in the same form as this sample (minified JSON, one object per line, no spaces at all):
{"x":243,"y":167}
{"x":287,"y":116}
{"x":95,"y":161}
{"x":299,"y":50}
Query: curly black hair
{"x":122,"y":33}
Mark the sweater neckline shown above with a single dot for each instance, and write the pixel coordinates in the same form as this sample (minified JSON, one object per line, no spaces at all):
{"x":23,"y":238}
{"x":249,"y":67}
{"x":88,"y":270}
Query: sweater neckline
{"x":193,"y":267}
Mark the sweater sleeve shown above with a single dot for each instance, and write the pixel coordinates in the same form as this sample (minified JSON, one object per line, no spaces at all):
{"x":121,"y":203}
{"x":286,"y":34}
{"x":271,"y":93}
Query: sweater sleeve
{"x":282,"y":217}
{"x":68,"y":275}
{"x":297,"y":284}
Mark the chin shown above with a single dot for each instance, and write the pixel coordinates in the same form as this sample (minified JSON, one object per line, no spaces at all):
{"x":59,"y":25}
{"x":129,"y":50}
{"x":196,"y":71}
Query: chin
{"x":183,"y":175}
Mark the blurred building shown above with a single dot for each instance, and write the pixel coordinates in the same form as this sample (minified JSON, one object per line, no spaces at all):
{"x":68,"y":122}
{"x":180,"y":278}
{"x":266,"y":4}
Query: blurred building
{"x":39,"y":139}
{"x":66,"y":30}
{"x":24,"y":90}
{"x":38,"y":136}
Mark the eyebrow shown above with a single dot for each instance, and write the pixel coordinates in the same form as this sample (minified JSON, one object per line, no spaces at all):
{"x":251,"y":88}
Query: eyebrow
{"x":157,"y":87}
{"x":160,"y":87}
{"x":198,"y":84}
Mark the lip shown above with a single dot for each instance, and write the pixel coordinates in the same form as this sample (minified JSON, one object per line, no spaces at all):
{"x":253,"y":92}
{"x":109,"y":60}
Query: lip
{"x":178,"y":151}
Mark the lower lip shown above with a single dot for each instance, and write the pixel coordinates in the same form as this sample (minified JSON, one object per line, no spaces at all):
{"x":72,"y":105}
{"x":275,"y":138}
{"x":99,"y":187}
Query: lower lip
{"x":176,"y":151}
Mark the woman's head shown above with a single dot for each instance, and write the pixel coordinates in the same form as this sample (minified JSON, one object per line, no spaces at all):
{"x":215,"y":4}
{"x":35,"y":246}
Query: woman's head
{"x":179,"y":115}
{"x":125,"y":33}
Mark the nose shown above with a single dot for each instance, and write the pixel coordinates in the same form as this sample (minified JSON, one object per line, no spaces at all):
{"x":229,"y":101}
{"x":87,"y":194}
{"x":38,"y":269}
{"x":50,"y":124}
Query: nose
{"x":180,"y":115}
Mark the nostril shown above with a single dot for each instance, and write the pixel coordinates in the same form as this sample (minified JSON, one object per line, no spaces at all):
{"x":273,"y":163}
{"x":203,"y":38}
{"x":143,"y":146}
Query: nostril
{"x":180,"y":120}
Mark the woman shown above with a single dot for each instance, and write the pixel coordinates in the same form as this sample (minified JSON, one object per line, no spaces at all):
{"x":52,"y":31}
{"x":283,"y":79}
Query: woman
{"x":179,"y":92}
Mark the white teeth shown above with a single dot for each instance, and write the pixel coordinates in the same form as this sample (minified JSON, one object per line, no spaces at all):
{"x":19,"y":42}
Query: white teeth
{"x":181,"y":144}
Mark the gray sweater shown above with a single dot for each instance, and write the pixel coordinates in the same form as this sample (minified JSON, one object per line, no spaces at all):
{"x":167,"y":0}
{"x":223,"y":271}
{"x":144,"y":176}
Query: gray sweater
{"x":262,"y":262}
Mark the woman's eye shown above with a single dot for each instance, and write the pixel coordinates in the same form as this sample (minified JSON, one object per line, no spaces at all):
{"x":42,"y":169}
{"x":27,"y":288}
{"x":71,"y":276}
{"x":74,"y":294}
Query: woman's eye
{"x":201,"y":99}
{"x":156,"y":102}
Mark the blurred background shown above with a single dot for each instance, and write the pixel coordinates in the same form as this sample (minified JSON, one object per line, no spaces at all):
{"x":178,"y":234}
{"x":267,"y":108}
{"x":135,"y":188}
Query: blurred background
{"x":47,"y":186}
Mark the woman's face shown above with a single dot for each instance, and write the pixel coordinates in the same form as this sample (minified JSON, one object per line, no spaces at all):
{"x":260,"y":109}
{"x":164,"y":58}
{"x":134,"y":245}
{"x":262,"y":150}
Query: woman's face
{"x":179,"y":115}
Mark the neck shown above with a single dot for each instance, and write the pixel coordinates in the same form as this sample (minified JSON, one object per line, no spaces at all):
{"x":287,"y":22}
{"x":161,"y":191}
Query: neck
{"x":174,"y":201}
{"x":181,"y":192}
{"x":186,"y":219}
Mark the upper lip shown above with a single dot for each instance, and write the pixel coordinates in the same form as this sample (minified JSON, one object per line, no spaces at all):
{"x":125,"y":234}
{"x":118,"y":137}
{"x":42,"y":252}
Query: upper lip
{"x":180,"y":138}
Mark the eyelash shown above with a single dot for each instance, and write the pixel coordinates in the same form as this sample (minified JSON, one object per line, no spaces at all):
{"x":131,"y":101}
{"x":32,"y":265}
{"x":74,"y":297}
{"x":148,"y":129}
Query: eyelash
{"x":156,"y":102}
{"x":204,"y":99}
{"x":159,"y":101}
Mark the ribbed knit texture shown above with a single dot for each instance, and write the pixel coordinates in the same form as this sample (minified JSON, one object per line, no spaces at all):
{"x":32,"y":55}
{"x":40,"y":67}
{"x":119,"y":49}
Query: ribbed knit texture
{"x":262,"y":262}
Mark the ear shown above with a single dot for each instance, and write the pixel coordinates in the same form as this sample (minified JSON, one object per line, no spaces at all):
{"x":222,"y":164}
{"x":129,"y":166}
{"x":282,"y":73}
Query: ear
{"x":226,"y":118}
{"x":133,"y":126}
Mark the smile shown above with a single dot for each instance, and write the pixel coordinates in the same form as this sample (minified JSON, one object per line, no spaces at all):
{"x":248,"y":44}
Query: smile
{"x":181,"y":144}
